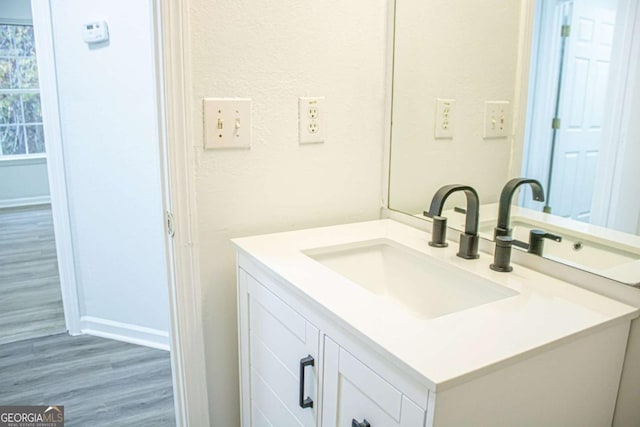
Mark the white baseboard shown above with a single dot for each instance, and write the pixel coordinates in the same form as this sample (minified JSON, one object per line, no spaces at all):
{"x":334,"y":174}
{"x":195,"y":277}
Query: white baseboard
{"x":125,"y":332}
{"x":25,"y":201}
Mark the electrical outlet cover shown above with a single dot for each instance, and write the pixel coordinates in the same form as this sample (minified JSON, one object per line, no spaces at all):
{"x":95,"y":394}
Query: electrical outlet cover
{"x":312,"y":120}
{"x":445,"y":118}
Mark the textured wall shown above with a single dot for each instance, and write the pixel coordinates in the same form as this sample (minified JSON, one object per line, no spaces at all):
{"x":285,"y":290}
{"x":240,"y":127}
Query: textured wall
{"x":274,"y":52}
{"x":450,"y":49}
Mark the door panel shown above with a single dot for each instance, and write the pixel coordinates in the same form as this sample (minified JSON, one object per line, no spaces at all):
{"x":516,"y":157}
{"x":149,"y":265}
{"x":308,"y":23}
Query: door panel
{"x":353,"y":391}
{"x":278,"y":339}
{"x":268,"y":407}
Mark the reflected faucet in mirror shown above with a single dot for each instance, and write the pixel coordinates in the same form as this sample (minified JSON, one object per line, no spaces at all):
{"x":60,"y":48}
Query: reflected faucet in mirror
{"x":536,"y":241}
{"x":469,"y":239}
{"x":506,"y":196}
{"x":502,"y":254}
{"x":571,"y":127}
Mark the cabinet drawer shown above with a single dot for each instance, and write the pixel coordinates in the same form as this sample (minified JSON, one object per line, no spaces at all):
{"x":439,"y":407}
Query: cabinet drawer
{"x":352,"y":391}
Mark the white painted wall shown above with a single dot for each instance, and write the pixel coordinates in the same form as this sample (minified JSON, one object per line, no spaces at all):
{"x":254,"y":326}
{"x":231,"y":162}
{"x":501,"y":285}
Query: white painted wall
{"x":15,"y":10}
{"x":21,"y":181}
{"x":618,"y":179}
{"x":274,"y":52}
{"x":462,"y":50}
{"x":111,"y":153}
{"x":626,"y":206}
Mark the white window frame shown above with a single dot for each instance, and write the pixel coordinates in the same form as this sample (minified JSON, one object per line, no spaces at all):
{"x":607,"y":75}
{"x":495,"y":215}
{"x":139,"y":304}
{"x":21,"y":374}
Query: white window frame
{"x":27,"y":156}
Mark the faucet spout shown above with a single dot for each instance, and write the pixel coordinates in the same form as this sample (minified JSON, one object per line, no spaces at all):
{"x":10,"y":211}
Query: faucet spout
{"x":473,"y":205}
{"x":504,"y":210}
{"x":468,"y":239}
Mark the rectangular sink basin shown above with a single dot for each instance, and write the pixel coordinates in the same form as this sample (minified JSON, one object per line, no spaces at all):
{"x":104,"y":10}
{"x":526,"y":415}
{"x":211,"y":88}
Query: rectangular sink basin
{"x":423,"y":285}
{"x":578,"y":250}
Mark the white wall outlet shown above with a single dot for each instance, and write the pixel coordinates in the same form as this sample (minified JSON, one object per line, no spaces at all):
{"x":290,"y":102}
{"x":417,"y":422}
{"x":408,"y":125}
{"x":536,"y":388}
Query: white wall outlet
{"x":445,"y":118}
{"x":497,"y":119}
{"x":312,"y":120}
{"x":227,"y":123}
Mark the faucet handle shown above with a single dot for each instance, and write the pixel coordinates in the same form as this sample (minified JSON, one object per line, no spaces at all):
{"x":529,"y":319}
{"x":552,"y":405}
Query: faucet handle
{"x":468,"y":246}
{"x":547,"y":235}
{"x":536,"y":240}
{"x":438,"y":232}
{"x":520,"y":244}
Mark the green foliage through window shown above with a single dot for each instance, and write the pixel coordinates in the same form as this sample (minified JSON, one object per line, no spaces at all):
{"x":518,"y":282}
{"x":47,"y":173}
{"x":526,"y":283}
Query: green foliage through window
{"x":21,"y":131}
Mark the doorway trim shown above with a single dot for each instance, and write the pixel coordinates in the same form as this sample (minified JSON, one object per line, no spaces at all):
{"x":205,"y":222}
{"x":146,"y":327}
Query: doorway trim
{"x":171,"y":35}
{"x":43,"y":32}
{"x":545,"y":19}
{"x":187,"y":336}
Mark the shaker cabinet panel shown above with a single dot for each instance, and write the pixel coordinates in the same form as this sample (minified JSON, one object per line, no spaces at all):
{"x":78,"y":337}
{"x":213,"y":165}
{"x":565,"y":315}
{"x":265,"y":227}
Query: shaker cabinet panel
{"x":283,"y":357}
{"x":266,"y":407}
{"x":354,"y":395}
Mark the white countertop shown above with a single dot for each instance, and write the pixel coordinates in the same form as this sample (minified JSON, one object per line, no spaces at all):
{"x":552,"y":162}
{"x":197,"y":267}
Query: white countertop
{"x":445,"y":349}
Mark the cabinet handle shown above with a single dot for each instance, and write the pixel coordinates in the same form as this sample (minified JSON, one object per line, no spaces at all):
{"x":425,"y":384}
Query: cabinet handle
{"x":304,"y":362}
{"x":356,"y":423}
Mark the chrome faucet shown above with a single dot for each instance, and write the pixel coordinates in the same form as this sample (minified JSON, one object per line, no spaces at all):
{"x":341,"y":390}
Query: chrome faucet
{"x":504,"y":210}
{"x":469,"y":239}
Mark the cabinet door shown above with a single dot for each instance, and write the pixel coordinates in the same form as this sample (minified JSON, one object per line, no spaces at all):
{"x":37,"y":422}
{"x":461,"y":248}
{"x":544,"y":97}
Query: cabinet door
{"x":354,"y":395}
{"x":279,"y":341}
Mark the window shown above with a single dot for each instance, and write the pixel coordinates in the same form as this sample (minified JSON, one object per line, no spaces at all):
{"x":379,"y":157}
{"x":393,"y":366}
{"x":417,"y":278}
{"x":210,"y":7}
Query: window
{"x":21,"y":131}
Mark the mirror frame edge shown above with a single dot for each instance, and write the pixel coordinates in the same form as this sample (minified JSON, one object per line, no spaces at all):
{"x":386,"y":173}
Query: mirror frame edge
{"x":388,"y":109}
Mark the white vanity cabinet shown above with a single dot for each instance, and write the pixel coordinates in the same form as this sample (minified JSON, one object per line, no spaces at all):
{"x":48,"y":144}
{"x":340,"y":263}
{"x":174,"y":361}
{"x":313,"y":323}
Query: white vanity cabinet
{"x":319,"y":349}
{"x":274,"y":342}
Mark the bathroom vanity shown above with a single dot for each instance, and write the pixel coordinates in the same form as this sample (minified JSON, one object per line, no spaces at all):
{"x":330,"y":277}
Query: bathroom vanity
{"x":367,"y":325}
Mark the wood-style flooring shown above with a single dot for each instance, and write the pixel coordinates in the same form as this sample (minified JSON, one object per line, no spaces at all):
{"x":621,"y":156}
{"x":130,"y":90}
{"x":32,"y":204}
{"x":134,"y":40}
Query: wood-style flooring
{"x":30,"y":299}
{"x":100,"y":382}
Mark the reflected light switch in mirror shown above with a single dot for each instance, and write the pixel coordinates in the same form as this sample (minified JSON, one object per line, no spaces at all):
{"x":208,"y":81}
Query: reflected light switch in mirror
{"x":497,"y":119}
{"x":445,"y":118}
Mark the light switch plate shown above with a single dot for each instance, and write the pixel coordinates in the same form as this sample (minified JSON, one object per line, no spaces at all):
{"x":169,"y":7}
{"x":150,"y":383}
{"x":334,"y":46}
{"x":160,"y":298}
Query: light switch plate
{"x":445,"y":118}
{"x":497,"y":119}
{"x":227,"y":123}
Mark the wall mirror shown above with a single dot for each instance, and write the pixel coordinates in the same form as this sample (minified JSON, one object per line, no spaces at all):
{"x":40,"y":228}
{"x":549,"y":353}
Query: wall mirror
{"x":547,"y":89}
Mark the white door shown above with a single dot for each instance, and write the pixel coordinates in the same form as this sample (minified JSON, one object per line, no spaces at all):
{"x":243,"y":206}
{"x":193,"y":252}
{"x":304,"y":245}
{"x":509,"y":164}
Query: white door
{"x":354,"y":395}
{"x":581,"y":107}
